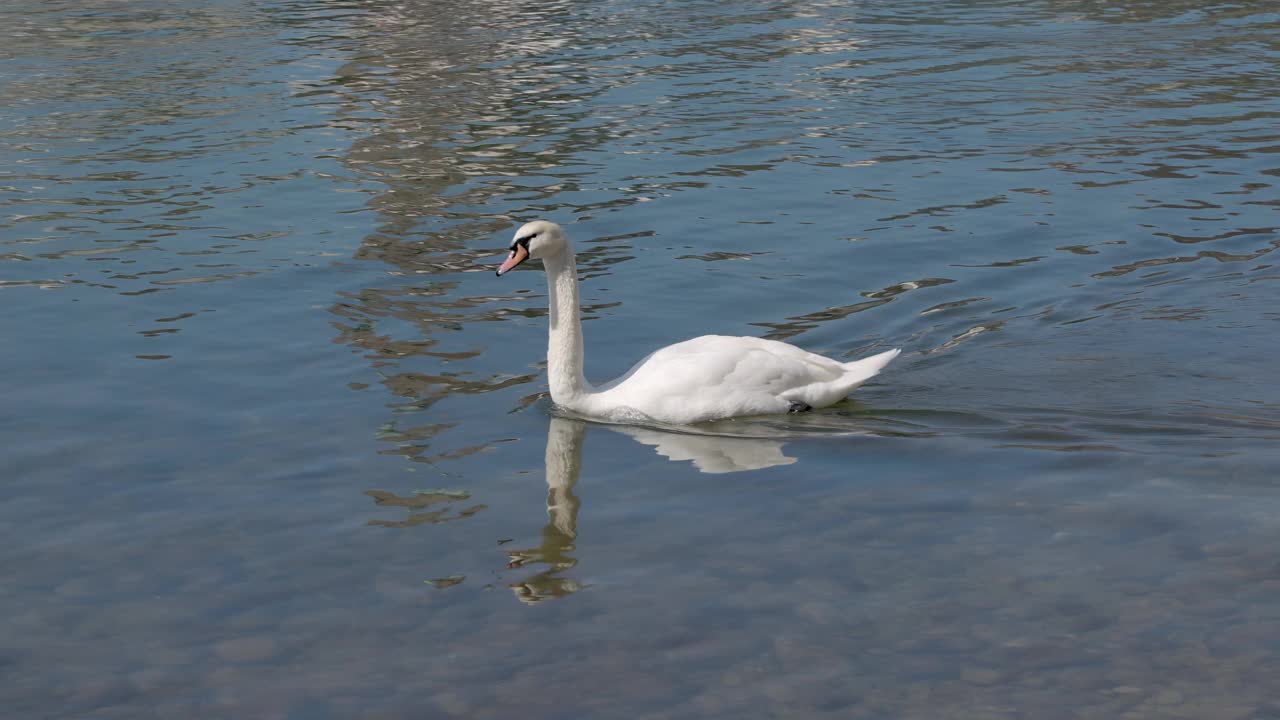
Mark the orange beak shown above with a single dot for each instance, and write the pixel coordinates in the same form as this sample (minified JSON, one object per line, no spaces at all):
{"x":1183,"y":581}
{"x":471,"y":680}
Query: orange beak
{"x":518,"y":255}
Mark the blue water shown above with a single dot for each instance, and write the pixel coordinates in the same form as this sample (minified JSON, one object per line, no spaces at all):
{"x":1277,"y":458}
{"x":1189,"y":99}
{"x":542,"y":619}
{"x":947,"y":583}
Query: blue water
{"x":277,"y":442}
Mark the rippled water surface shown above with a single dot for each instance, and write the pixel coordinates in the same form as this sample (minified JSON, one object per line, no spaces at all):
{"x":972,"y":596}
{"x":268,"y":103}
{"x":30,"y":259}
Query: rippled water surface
{"x":277,"y":442}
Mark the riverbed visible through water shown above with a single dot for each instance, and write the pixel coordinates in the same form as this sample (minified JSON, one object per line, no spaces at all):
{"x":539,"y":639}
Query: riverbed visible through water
{"x":277,"y":443}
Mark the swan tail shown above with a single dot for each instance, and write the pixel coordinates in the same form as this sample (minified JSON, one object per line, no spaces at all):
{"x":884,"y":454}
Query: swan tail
{"x":855,"y":373}
{"x":860,"y":371}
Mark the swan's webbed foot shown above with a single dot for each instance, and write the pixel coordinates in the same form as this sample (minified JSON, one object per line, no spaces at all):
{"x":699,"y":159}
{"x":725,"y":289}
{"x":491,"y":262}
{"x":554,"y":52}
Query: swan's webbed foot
{"x":799,"y":407}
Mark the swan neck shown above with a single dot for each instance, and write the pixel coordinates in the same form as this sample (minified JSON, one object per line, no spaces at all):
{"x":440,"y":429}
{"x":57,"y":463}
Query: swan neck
{"x":564,"y":349}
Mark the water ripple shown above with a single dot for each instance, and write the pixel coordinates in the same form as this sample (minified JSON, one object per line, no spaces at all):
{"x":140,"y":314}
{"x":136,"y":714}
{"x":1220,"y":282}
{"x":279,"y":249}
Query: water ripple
{"x":247,"y":248}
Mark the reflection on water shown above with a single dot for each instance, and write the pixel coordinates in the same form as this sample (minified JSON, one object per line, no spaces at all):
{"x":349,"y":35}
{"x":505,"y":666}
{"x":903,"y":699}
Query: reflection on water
{"x":710,"y":453}
{"x":417,"y":505}
{"x":564,"y":464}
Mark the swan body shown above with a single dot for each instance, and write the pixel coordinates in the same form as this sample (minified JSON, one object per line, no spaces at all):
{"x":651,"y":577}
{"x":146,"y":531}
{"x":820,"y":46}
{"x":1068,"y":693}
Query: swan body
{"x":707,"y":378}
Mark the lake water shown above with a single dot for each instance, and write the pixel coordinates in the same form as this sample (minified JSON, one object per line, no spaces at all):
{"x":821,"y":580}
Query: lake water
{"x":277,"y":442}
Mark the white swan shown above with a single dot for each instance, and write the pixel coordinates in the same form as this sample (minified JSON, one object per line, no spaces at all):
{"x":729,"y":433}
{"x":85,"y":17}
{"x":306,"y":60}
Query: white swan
{"x":706,"y":378}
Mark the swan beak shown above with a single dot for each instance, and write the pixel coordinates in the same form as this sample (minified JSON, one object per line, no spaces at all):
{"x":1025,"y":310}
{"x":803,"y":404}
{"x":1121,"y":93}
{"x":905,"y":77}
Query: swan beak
{"x":518,"y":255}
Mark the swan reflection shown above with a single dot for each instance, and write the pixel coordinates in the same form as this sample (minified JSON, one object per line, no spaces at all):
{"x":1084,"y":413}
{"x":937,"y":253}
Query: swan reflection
{"x":712,"y":454}
{"x":709,"y":454}
{"x":564,"y":464}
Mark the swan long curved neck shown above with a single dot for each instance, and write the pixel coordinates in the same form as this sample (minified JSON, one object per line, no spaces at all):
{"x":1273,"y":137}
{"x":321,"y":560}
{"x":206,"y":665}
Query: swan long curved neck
{"x":564,"y":347}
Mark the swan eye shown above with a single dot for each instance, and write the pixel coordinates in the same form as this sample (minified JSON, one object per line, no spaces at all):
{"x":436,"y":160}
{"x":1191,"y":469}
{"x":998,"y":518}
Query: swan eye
{"x":525,"y":240}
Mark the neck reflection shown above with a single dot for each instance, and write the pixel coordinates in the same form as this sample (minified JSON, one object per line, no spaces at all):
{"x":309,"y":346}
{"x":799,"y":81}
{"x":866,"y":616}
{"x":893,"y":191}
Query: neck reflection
{"x":564,"y":464}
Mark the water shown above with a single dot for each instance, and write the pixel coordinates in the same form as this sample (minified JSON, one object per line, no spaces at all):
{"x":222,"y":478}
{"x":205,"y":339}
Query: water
{"x":277,"y":442}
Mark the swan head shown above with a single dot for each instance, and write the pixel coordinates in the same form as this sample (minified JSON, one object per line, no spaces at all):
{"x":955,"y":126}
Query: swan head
{"x":539,"y":239}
